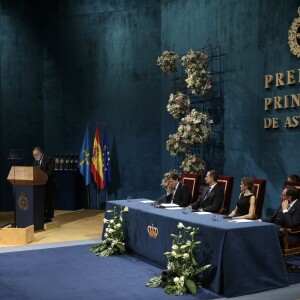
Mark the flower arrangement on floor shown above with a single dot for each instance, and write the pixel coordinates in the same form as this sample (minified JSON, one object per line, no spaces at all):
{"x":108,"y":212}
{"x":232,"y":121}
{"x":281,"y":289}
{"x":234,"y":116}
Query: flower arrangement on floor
{"x":182,"y":274}
{"x":198,"y":80}
{"x":167,"y":61}
{"x":192,"y":164}
{"x":114,"y":242}
{"x":178,"y":105}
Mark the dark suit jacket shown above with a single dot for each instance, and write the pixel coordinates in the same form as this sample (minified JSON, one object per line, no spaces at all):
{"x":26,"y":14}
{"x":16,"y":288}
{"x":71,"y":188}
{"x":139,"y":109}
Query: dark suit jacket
{"x":289,"y":219}
{"x":48,"y":167}
{"x":182,"y":196}
{"x":213,"y":201}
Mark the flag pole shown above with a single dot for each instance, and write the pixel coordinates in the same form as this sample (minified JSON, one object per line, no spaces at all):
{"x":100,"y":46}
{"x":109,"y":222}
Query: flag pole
{"x":97,"y":201}
{"x":88,"y":196}
{"x":84,"y":163}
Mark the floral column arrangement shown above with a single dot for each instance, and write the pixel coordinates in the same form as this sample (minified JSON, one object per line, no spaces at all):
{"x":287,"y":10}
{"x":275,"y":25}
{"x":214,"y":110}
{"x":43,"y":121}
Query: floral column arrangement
{"x":194,"y":127}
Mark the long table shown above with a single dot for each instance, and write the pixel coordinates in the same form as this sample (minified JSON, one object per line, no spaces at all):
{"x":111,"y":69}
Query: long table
{"x":245,"y":258}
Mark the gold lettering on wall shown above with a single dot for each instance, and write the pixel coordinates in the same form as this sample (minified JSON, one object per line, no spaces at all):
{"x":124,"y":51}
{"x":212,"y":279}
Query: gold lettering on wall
{"x":285,"y":102}
{"x":292,"y":122}
{"x":271,"y":123}
{"x":280,"y":80}
{"x":290,"y":77}
{"x":268,"y":102}
{"x":268,"y":80}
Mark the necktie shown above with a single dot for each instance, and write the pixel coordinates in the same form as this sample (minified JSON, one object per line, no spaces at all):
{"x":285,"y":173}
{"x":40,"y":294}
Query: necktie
{"x":207,"y":193}
{"x":172,"y":197}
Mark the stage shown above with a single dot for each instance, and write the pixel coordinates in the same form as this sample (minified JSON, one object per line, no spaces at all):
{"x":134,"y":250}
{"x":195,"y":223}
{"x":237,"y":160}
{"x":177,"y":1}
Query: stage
{"x":76,"y":225}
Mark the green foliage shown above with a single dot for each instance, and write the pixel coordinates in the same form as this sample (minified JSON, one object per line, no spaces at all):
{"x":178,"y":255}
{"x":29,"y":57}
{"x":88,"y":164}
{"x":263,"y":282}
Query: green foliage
{"x":182,"y":271}
{"x":154,"y":282}
{"x":114,"y":242}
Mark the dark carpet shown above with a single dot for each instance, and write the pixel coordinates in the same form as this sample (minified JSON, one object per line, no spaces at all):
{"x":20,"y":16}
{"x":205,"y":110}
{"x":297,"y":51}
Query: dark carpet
{"x":77,"y":273}
{"x":294,"y":276}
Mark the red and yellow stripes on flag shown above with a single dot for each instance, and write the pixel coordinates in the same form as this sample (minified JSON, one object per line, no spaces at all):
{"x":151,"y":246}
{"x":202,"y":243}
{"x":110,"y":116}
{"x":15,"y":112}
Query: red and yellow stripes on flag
{"x":97,"y":161}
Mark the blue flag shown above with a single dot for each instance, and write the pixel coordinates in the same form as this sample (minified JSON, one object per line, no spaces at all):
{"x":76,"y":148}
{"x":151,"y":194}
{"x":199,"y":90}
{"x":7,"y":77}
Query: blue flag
{"x":84,"y":162}
{"x":106,"y":160}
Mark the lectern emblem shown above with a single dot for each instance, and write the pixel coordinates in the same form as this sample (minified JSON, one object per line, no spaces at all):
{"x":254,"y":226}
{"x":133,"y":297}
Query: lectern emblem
{"x":23,"y":202}
{"x":294,"y":36}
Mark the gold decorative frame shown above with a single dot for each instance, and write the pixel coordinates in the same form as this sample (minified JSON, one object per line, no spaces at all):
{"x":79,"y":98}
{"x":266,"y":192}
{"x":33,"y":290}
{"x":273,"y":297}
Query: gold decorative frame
{"x":190,"y":179}
{"x":294,"y":35}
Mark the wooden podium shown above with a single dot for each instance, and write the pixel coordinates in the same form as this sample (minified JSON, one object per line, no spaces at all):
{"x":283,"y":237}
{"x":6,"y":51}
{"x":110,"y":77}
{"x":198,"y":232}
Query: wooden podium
{"x":29,"y":194}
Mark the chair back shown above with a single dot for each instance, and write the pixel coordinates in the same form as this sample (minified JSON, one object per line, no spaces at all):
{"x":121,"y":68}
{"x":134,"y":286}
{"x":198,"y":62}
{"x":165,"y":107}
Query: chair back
{"x":193,"y":182}
{"x":226,"y":182}
{"x":259,"y":193}
{"x":295,"y":184}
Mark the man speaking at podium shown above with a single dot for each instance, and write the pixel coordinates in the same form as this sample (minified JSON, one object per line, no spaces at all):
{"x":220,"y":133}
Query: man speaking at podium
{"x":46,"y":164}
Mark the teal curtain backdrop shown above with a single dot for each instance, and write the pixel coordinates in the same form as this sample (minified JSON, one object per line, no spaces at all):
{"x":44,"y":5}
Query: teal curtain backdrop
{"x":66,"y":63}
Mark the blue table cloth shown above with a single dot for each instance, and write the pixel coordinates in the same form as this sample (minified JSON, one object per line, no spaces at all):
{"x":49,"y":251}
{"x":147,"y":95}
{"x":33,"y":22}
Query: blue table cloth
{"x":245,"y":258}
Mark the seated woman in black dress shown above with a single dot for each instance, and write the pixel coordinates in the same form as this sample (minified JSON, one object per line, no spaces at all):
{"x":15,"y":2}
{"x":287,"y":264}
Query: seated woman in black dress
{"x":245,"y":207}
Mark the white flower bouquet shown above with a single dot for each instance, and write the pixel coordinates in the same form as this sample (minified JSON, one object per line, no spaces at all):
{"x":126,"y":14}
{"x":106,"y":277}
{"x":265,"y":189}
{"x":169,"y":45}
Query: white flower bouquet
{"x":114,"y":242}
{"x":198,"y":80}
{"x":167,"y":61}
{"x":195,"y":127}
{"x":178,"y":105}
{"x":192,"y":164}
{"x":182,"y":271}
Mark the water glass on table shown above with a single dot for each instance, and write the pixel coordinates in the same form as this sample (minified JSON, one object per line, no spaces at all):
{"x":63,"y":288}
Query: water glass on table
{"x":214,"y":217}
{"x":186,"y":210}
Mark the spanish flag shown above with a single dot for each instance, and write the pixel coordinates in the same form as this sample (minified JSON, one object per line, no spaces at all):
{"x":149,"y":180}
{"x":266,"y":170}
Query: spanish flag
{"x":97,"y":161}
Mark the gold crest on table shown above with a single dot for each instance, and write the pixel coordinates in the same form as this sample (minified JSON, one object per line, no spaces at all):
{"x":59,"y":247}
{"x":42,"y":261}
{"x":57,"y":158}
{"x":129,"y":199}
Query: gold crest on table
{"x":153,"y":231}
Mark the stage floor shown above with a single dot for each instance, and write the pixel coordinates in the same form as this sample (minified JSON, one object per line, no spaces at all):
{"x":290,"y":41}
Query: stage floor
{"x":76,"y":225}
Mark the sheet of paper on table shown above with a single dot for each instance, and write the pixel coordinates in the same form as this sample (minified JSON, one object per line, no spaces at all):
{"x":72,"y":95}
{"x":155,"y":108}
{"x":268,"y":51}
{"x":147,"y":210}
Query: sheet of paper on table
{"x":202,"y":213}
{"x":174,"y":207}
{"x":169,"y":205}
{"x":147,"y":201}
{"x":241,"y":221}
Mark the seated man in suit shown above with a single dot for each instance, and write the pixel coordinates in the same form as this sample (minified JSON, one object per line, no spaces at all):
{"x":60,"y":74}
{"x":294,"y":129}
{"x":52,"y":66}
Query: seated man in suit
{"x":288,"y":214}
{"x":177,"y":192}
{"x":212,"y":197}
